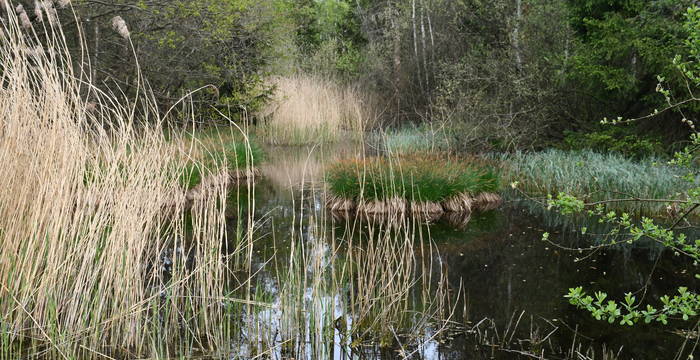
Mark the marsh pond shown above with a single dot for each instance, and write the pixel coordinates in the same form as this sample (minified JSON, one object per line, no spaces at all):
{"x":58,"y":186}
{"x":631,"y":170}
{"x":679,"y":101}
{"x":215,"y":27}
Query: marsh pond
{"x":483,"y":285}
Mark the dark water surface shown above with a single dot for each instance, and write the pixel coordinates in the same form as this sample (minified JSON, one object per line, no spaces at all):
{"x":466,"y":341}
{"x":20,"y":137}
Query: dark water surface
{"x":513,"y":282}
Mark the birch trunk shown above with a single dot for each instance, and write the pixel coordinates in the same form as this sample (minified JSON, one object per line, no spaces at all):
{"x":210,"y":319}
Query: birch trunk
{"x":516,"y":35}
{"x":424,"y":48}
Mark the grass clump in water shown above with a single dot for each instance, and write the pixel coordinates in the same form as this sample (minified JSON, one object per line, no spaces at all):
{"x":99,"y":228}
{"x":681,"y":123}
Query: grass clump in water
{"x":240,"y":158}
{"x":425,"y":182}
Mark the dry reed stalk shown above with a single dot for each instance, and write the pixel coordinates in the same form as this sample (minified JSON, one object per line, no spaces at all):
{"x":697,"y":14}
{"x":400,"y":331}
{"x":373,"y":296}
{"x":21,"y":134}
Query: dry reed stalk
{"x":458,"y":220}
{"x":208,"y":186}
{"x":244,"y":174}
{"x":75,"y":249}
{"x":38,"y":13}
{"x":389,"y":266}
{"x":338,"y":204}
{"x":298,"y":168}
{"x":389,"y":206}
{"x":23,"y":17}
{"x":371,"y":207}
{"x":119,"y":25}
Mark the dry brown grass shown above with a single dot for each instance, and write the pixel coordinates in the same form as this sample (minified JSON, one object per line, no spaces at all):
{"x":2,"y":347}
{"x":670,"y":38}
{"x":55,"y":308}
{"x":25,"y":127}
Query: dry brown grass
{"x":83,"y":219}
{"x":461,"y":203}
{"x":309,"y":110}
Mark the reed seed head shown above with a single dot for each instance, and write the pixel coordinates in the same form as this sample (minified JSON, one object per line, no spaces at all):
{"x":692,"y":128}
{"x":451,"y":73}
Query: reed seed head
{"x":23,"y":17}
{"x":119,"y":25}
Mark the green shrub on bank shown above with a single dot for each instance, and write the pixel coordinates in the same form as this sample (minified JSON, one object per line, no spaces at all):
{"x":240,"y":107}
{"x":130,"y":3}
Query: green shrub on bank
{"x":423,"y":179}
{"x":615,"y":139}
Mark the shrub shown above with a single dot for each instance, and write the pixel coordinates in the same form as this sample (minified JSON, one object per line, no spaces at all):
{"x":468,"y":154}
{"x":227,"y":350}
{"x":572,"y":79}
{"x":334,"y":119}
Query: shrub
{"x":615,"y":139}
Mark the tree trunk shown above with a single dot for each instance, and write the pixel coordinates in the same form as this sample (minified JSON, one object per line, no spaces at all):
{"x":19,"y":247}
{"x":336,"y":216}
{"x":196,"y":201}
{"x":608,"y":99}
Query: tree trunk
{"x":415,"y":43}
{"x":516,"y":35}
{"x":422,"y":38}
{"x":95,"y":57}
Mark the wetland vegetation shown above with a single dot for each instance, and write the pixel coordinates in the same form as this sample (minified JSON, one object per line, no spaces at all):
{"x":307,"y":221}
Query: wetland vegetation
{"x":208,"y":179}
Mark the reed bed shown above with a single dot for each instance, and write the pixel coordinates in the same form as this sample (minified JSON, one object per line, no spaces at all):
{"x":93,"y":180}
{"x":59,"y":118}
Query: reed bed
{"x":593,"y":176}
{"x":309,"y":110}
{"x":101,"y":256}
{"x":86,"y":215}
{"x":421,"y":185}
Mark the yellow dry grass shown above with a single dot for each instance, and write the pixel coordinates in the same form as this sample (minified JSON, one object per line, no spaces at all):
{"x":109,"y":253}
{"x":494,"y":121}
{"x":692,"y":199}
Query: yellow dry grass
{"x":85,"y":214}
{"x":487,"y":201}
{"x":308,"y":109}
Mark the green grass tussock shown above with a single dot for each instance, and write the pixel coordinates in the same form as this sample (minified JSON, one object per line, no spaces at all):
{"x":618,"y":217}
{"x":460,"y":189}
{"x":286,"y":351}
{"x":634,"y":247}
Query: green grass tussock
{"x":424,"y":179}
{"x":594,"y":176}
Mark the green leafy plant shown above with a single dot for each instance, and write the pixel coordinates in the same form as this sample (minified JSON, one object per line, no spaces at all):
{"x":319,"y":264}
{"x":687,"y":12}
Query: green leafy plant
{"x":615,"y":139}
{"x":235,"y":155}
{"x":593,"y":176}
{"x":686,"y":304}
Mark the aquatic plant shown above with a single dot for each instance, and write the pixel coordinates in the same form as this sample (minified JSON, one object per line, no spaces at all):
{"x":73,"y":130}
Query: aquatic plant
{"x":425,"y":184}
{"x":87,"y":212}
{"x":593,"y":176}
{"x":370,"y":286}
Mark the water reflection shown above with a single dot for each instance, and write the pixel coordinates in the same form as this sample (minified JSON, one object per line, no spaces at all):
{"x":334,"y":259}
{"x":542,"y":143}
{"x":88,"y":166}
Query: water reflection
{"x":509,"y":275}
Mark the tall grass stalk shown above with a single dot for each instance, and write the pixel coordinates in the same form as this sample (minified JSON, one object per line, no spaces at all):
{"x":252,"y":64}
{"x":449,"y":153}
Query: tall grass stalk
{"x":99,"y":257}
{"x":81,"y":261}
{"x":423,"y":184}
{"x":413,"y":140}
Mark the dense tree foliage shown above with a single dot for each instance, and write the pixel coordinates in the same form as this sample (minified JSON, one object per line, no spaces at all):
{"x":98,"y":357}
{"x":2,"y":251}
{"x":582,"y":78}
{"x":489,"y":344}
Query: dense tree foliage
{"x":500,"y":74}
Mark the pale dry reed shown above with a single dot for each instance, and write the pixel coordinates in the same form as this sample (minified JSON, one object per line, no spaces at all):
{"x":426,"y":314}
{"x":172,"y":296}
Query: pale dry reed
{"x":86,"y":214}
{"x":119,"y":25}
{"x":309,"y":109}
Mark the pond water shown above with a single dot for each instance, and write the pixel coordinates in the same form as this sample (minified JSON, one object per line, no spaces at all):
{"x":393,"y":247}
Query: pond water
{"x":507,"y":284}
